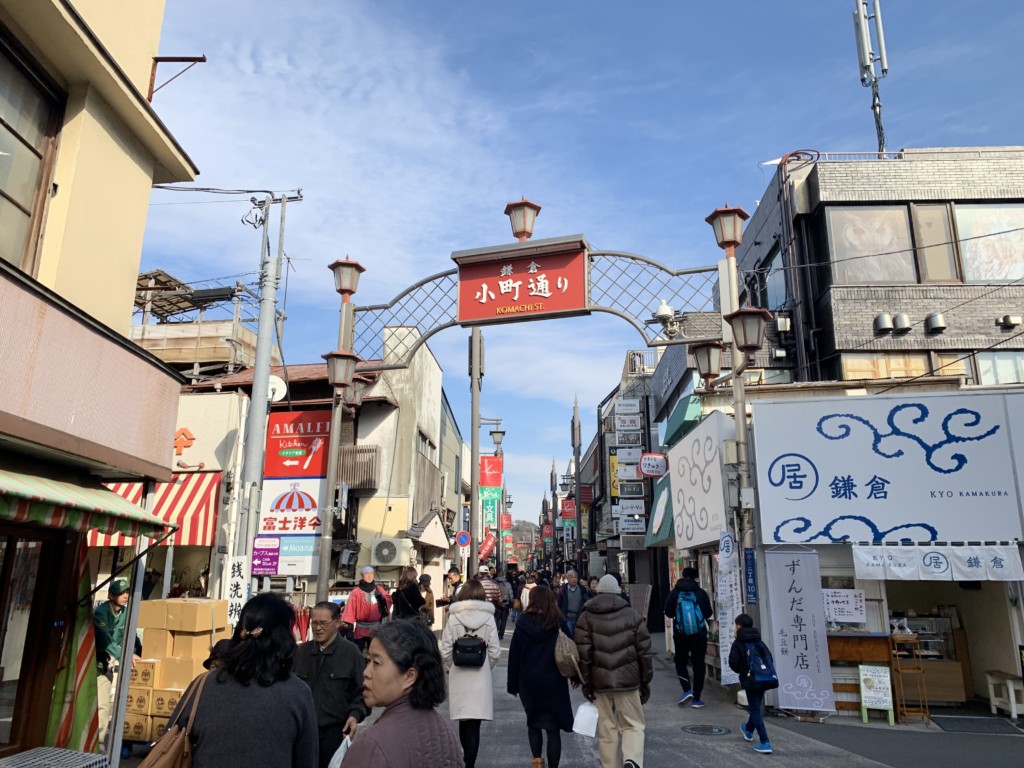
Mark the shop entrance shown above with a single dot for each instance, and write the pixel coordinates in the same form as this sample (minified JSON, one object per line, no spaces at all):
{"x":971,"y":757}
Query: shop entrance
{"x":964,"y":629}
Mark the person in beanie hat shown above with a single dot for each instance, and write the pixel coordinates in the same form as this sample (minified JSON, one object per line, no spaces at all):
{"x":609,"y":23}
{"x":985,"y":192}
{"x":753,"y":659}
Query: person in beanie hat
{"x":427,"y":611}
{"x":617,"y":667}
{"x":367,"y":607}
{"x":109,"y":620}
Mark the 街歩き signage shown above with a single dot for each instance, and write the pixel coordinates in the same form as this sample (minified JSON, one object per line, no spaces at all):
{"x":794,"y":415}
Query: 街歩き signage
{"x":531,"y":287}
{"x":921,"y":468}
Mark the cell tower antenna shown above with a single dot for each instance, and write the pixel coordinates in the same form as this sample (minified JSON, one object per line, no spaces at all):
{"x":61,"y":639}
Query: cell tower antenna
{"x":873,"y":63}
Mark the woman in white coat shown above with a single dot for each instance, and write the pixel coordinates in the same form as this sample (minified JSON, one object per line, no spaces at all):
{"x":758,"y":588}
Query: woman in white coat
{"x":470,"y":693}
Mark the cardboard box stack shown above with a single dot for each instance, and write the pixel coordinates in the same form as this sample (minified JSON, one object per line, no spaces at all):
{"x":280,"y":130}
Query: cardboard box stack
{"x":177,"y":636}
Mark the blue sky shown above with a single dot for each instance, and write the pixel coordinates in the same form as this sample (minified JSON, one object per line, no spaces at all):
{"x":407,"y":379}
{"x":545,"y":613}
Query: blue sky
{"x":409,"y":125}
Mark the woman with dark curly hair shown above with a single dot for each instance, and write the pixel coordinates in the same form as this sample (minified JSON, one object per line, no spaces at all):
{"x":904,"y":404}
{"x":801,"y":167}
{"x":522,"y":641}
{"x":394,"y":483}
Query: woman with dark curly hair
{"x":254,"y":684}
{"x":534,"y":678}
{"x":405,"y":675}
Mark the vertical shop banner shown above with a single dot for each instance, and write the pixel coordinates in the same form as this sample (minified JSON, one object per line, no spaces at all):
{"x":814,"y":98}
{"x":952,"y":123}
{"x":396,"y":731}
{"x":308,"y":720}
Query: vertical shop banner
{"x":750,"y":575}
{"x":237,"y":586}
{"x":490,"y":510}
{"x":729,"y":599}
{"x":548,"y":532}
{"x":798,"y":638}
{"x":490,"y":471}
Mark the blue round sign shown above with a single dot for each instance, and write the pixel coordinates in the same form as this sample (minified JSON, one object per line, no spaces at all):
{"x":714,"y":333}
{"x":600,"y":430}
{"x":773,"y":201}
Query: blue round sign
{"x":462,"y":538}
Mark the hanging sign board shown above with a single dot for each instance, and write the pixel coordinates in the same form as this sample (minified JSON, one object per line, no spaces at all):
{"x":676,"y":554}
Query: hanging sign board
{"x":628,"y":438}
{"x":505,"y":289}
{"x":627,"y":422}
{"x":653,"y":464}
{"x":631,"y":490}
{"x":628,"y":471}
{"x":628,"y":406}
{"x":629,"y":455}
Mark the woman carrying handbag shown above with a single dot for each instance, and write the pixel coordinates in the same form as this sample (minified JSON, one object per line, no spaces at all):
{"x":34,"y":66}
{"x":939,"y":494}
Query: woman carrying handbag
{"x":253,"y":710}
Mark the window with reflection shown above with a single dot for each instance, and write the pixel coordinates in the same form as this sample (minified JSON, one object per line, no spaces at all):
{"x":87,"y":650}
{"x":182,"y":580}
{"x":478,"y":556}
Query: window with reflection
{"x":936,"y":250}
{"x":991,"y":241}
{"x":1004,"y":367}
{"x":885,"y":365}
{"x":26,"y":128}
{"x":871,"y":244}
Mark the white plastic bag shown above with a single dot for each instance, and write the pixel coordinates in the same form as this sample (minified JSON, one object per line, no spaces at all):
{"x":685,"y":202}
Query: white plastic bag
{"x":340,"y":754}
{"x":586,"y":720}
{"x":741,"y":698}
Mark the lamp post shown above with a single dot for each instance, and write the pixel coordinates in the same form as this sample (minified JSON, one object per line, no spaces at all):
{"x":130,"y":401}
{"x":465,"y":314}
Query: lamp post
{"x":747,"y":327}
{"x":522,"y":216}
{"x":575,"y":429}
{"x":341,"y":369}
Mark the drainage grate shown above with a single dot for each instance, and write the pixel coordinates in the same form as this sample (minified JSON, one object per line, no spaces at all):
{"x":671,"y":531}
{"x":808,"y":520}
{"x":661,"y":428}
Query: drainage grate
{"x":706,"y":730}
{"x":976,"y":725}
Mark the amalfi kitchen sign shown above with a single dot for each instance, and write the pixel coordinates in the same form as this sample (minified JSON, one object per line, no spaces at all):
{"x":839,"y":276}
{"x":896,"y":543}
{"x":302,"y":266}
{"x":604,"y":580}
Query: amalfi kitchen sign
{"x":920,"y":468}
{"x":498,"y":286}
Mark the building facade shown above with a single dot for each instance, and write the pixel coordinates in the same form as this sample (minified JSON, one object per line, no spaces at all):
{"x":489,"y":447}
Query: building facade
{"x":80,"y":148}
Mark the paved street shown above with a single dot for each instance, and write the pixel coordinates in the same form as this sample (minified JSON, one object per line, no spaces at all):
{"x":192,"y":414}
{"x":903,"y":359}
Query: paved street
{"x":843,"y":741}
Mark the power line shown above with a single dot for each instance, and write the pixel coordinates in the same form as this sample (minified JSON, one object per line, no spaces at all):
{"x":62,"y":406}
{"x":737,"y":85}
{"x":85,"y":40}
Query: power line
{"x":951,"y":362}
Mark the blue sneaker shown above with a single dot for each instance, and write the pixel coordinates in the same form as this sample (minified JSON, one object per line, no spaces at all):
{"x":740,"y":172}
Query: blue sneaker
{"x":697,"y":704}
{"x":687,"y":695}
{"x":765,"y":748}
{"x":748,"y":735}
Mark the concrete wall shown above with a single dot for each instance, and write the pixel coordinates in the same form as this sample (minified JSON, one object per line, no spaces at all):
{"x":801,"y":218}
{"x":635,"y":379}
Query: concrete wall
{"x":130,"y":30}
{"x":92,"y":241}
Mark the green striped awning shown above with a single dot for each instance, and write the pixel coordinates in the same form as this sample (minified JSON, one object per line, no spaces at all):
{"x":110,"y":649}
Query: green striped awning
{"x":28,"y":498}
{"x":662,"y":516}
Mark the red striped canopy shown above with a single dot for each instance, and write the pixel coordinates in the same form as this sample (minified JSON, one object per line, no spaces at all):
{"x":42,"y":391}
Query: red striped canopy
{"x":188,"y":501}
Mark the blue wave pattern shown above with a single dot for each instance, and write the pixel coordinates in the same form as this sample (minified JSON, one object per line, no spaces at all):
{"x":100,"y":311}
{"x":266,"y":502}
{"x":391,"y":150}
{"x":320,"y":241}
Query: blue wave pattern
{"x":890,"y":445}
{"x":850,"y":528}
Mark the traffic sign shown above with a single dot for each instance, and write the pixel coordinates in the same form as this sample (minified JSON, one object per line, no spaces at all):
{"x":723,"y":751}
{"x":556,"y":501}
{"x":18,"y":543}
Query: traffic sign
{"x":462,"y":538}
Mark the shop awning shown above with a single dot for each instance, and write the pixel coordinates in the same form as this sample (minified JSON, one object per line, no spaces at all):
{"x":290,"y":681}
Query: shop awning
{"x":684,"y":417}
{"x":938,"y":563}
{"x":661,"y":530}
{"x":28,"y":498}
{"x":189,"y":502}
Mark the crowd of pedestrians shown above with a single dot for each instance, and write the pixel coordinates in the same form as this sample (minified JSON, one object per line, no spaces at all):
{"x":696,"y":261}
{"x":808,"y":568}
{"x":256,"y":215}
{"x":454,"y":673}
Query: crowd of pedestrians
{"x":380,"y":652}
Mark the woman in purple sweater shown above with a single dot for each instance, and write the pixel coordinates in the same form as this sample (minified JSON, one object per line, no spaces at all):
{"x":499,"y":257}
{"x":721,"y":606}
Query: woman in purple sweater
{"x":405,"y":675}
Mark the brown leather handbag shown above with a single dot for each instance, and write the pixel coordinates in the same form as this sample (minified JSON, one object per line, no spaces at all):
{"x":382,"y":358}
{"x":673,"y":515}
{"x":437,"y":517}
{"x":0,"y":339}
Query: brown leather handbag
{"x":174,"y":749}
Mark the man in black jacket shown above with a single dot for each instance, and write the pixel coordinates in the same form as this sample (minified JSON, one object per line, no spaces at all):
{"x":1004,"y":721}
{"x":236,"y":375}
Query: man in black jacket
{"x":333,"y":669}
{"x":690,"y":648}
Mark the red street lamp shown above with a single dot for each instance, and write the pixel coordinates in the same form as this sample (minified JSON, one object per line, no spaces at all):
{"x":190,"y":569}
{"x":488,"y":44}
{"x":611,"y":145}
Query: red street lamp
{"x":708,"y":356}
{"x":341,"y":367}
{"x":346,"y":276}
{"x":728,"y":225}
{"x":748,"y":326}
{"x":523,"y":216}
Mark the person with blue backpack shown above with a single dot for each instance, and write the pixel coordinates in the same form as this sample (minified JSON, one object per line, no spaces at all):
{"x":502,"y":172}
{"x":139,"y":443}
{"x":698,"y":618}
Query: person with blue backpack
{"x":689,"y":607}
{"x":750,"y":658}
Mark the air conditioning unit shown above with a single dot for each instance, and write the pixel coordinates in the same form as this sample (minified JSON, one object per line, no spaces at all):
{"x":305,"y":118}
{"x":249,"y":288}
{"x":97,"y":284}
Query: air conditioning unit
{"x":388,"y":552}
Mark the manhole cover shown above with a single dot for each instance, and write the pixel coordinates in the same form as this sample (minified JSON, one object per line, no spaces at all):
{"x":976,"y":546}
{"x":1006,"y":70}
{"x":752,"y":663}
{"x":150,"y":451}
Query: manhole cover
{"x":706,"y":730}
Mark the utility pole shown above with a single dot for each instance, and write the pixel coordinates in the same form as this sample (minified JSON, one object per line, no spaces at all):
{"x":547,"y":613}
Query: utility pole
{"x":868,"y":57}
{"x":256,"y":422}
{"x":476,"y":372}
{"x":576,"y":433}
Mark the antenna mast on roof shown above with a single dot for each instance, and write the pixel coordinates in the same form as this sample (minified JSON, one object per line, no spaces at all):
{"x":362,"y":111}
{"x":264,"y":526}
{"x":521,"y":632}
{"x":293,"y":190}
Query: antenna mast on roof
{"x":867,"y":58}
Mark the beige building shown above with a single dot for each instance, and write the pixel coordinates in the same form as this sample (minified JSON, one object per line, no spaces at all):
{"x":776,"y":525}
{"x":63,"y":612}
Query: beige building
{"x":80,"y":148}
